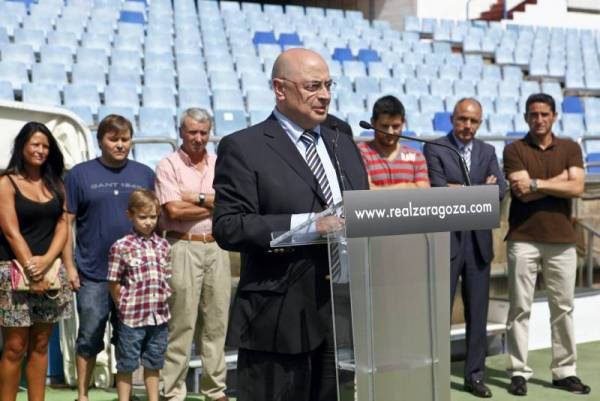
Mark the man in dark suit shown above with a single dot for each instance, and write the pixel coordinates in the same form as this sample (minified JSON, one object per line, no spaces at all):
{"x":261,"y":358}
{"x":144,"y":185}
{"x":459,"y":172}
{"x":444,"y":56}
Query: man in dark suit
{"x":281,"y":315}
{"x":471,"y":251}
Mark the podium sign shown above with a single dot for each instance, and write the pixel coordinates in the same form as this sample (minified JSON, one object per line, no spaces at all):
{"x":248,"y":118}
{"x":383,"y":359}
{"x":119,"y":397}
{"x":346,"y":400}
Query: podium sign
{"x":409,"y":211}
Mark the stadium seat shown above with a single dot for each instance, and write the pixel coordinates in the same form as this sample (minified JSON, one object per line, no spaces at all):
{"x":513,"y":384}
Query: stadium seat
{"x":132,"y":17}
{"x":229,"y":121}
{"x":287,"y":39}
{"x":416,"y":87}
{"x":572,"y":125}
{"x":500,"y":124}
{"x":41,"y":94}
{"x":32,"y":37}
{"x":441,"y":121}
{"x":260,"y":100}
{"x":342,"y":54}
{"x":506,"y":105}
{"x":14,"y":72}
{"x":378,"y":70}
{"x":441,"y":87}
{"x":193,"y":97}
{"x":18,"y":53}
{"x":156,"y":121}
{"x":464,"y":88}
{"x":430,"y":105}
{"x":49,"y":73}
{"x":572,"y":104}
{"x":592,"y":161}
{"x":351,"y":102}
{"x":84,"y":113}
{"x":124,"y":111}
{"x":228,"y":99}
{"x":96,"y":57}
{"x":159,"y":97}
{"x":122,"y":94}
{"x":354,"y":69}
{"x":151,"y":153}
{"x":368,"y":56}
{"x":81,"y":95}
{"x":366,"y":85}
{"x":264,"y":37}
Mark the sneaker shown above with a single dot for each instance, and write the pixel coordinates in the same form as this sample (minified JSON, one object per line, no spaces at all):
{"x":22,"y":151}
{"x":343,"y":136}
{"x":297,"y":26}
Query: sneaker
{"x":518,"y":385}
{"x":572,"y":384}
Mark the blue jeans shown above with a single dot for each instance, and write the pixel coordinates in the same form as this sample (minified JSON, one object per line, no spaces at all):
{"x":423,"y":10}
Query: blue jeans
{"x":94,"y":307}
{"x":147,"y":343}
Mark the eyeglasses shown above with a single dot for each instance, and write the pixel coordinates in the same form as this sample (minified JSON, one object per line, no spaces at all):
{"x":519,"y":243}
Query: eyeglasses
{"x":313,"y":86}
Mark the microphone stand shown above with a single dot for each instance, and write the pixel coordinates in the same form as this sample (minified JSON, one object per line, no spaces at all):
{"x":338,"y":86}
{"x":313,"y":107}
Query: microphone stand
{"x":463,"y":165}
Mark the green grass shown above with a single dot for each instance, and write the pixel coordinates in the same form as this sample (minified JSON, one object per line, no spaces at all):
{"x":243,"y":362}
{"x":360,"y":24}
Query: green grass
{"x":540,"y":386}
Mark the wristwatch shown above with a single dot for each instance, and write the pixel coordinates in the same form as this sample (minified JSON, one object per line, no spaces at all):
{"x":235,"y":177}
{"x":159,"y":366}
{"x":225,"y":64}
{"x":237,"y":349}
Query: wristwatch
{"x":533,"y":186}
{"x":201,"y":199}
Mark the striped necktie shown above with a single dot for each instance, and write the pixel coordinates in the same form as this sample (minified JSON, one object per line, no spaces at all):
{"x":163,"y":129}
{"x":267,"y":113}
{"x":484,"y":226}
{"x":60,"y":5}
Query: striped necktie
{"x":465,"y":152}
{"x":309,"y":138}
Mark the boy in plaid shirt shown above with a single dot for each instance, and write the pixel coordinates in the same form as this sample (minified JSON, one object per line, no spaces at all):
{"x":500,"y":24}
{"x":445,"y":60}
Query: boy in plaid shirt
{"x":138,"y":269}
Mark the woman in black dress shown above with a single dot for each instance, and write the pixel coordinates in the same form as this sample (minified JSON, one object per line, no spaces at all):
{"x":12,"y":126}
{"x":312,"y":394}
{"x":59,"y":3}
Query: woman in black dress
{"x":34,"y":231}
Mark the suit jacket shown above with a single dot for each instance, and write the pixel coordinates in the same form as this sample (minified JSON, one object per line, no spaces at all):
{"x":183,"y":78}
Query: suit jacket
{"x":444,"y":167}
{"x":283,"y":299}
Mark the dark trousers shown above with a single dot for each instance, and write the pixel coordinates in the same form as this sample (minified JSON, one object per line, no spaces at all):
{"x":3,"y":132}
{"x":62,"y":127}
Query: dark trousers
{"x":475,"y":294}
{"x":268,"y":376}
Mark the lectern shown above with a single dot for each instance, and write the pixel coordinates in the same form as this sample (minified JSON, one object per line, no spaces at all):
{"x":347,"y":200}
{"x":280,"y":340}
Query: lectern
{"x":390,"y":301}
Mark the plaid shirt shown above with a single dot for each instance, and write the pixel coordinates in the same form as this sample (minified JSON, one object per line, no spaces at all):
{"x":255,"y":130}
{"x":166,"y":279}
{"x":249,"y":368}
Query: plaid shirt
{"x":142,"y":266}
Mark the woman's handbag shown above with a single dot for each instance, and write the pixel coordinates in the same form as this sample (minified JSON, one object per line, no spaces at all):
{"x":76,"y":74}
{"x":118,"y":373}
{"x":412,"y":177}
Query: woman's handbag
{"x":20,"y":281}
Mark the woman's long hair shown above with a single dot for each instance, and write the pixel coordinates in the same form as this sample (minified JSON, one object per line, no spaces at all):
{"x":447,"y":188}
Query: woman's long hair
{"x":52,"y":169}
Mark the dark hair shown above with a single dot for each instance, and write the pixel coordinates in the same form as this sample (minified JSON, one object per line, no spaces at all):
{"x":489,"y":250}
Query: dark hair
{"x":389,"y":105}
{"x":113,"y":123}
{"x":51,"y":170}
{"x":540,"y":98}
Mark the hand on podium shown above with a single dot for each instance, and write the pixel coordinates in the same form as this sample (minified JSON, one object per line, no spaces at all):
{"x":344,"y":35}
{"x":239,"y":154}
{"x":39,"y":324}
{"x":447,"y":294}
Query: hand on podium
{"x":329,"y":224}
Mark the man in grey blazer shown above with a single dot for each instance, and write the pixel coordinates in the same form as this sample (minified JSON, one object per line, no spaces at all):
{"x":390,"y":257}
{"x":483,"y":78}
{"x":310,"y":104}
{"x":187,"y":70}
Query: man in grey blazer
{"x":471,"y":251}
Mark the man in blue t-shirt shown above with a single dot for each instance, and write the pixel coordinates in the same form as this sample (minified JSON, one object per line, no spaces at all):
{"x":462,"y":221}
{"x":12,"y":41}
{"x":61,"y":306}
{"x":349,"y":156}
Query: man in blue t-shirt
{"x":97,"y":195}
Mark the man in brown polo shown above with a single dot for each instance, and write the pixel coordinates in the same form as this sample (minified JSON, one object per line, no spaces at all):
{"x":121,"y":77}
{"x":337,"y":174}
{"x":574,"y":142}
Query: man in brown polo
{"x":201,"y":276}
{"x":545,"y":173}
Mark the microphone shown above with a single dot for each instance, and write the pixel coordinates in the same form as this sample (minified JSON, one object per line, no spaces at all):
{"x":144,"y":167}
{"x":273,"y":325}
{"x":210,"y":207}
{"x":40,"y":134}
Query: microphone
{"x":334,"y":126}
{"x":463,"y":165}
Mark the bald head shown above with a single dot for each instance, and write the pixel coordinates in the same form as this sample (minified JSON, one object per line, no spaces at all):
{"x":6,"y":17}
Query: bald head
{"x":302,"y":84}
{"x":290,"y":60}
{"x":466,"y":119}
{"x":468,"y":102}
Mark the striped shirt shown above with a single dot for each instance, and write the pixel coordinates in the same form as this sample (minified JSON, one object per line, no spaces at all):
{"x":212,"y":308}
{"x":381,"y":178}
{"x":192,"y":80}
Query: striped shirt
{"x":142,"y":266}
{"x":409,"y":166}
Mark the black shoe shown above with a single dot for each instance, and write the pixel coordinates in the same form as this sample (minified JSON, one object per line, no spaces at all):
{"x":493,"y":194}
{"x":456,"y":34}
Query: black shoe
{"x":518,"y":385}
{"x":478,"y":389}
{"x":572,"y":384}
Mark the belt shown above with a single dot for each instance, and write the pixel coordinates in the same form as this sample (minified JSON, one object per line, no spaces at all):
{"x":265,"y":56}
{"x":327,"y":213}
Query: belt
{"x":205,"y":237}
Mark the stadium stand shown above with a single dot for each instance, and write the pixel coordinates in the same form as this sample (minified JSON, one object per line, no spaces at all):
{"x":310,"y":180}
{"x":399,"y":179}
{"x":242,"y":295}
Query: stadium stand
{"x":219,"y":55}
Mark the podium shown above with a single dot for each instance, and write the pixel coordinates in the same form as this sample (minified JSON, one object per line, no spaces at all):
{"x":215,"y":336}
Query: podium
{"x":391,"y":298}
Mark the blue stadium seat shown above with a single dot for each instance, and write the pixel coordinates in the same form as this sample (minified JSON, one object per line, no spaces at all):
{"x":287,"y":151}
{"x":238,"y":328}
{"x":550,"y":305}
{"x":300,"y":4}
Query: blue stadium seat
{"x":464,"y":88}
{"x":57,"y":54}
{"x":427,"y":72}
{"x":354,"y":69}
{"x":449,"y":71}
{"x":529,"y":88}
{"x":96,"y":57}
{"x":378,"y":70}
{"x":429,"y":104}
{"x":351,"y":102}
{"x":132,"y":17}
{"x":508,"y":89}
{"x":368,"y":56}
{"x":32,"y":37}
{"x":286,"y":39}
{"x":157,"y":121}
{"x":441,"y":121}
{"x":223,"y":80}
{"x":487,"y":88}
{"x":506,"y":105}
{"x":420,"y":124}
{"x":81,"y":95}
{"x":229,"y":121}
{"x":264,"y":37}
{"x":592,"y":161}
{"x":342,"y":54}
{"x":84,"y":113}
{"x":572,"y":104}
{"x":254,"y":80}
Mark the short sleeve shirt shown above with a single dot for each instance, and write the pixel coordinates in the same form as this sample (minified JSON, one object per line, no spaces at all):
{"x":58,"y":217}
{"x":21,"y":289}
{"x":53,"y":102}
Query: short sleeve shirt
{"x":97,"y":195}
{"x":142,"y":266}
{"x":409,"y":166}
{"x":548,"y":219}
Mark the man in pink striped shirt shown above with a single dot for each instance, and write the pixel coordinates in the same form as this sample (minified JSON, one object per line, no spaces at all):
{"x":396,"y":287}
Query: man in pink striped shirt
{"x":391,"y":165}
{"x":201,"y":275}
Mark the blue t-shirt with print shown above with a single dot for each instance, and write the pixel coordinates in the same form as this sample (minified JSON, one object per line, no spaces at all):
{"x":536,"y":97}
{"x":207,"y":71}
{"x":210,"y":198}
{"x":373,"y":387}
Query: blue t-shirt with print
{"x":98,"y":195}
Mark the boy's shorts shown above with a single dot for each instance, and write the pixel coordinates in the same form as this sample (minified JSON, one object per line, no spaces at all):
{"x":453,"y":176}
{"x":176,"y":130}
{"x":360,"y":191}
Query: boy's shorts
{"x":148,"y":343}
